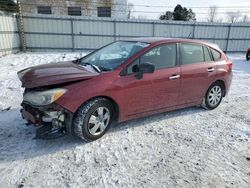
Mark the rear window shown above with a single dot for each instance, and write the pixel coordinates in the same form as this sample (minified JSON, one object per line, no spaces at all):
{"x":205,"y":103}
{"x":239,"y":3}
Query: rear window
{"x":216,"y":54}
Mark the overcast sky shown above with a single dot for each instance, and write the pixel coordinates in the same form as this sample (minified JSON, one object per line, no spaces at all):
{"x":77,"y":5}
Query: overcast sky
{"x":201,"y":13}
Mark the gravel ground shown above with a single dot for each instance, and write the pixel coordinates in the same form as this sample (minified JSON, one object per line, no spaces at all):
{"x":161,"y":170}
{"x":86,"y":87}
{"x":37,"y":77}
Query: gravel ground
{"x":184,"y":148}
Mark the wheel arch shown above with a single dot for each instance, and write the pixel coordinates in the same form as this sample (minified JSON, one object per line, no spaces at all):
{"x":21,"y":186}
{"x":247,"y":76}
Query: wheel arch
{"x":112,"y":101}
{"x":223,"y":85}
{"x":247,"y":55}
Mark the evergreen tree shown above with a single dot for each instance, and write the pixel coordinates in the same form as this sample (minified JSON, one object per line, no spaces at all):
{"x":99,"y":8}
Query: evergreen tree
{"x":179,"y":13}
{"x":8,"y":6}
{"x":167,"y":16}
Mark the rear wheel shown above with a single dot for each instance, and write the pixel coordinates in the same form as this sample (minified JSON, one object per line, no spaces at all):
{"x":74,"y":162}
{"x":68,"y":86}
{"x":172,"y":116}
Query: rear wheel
{"x":93,"y":119}
{"x":213,"y":96}
{"x":248,"y":56}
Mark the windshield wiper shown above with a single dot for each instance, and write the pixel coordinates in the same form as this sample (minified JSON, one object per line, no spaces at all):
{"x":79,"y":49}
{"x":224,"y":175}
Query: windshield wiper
{"x":93,"y":66}
{"x":105,"y":69}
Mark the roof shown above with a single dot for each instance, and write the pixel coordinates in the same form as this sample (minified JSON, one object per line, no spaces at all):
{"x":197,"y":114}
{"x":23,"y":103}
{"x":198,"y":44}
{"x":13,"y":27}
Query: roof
{"x":163,"y":39}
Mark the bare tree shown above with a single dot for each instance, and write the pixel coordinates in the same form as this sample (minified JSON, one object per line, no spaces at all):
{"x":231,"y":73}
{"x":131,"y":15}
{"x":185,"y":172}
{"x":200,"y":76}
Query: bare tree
{"x":130,"y":8}
{"x":142,"y":17}
{"x":233,"y":16}
{"x":212,"y":13}
{"x":245,"y":18}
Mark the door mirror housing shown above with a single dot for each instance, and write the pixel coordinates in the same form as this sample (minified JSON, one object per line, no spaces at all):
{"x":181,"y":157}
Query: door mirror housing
{"x":145,"y":68}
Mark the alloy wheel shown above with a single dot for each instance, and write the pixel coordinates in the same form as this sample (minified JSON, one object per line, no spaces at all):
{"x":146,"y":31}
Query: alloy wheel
{"x":99,"y":121}
{"x":214,"y":96}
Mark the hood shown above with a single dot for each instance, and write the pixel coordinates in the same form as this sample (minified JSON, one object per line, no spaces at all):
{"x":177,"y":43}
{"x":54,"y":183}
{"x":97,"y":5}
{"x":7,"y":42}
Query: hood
{"x":54,"y":73}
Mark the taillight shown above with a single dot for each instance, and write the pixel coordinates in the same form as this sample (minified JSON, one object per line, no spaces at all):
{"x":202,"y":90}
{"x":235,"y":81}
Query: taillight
{"x":230,"y":64}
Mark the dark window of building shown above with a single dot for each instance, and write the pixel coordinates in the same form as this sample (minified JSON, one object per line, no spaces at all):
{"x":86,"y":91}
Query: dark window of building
{"x":74,"y":11}
{"x":44,"y":10}
{"x":104,"y":11}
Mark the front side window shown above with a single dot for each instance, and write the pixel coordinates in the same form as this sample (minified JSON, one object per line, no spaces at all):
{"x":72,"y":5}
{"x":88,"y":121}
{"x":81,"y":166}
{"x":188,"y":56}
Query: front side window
{"x":133,"y":67}
{"x":191,"y":53}
{"x":104,"y":11}
{"x":216,"y":54}
{"x":113,"y":55}
{"x":44,"y":10}
{"x":74,"y":11}
{"x":162,"y":56}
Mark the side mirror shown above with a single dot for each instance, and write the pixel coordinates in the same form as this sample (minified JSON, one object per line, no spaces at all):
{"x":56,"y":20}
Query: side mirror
{"x":145,"y":68}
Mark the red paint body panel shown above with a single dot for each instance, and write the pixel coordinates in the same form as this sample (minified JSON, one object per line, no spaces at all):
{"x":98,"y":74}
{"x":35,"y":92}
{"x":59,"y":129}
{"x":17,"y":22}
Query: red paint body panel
{"x":53,"y":73}
{"x":135,"y":98}
{"x":193,"y":79}
{"x":153,"y":92}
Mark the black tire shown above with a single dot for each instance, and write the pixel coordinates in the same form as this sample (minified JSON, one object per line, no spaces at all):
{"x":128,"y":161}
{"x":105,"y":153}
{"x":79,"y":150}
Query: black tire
{"x":81,"y":119}
{"x":248,"y":56}
{"x":206,"y":102}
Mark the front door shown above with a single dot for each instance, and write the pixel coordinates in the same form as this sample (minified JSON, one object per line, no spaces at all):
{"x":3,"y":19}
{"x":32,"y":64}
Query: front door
{"x":154,"y":91}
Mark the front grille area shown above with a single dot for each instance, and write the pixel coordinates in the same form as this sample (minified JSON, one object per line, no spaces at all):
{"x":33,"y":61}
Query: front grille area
{"x":35,"y":112}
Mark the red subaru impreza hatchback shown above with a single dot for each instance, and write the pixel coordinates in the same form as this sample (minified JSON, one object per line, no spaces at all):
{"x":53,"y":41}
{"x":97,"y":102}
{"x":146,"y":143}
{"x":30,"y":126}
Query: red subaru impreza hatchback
{"x":124,"y":80}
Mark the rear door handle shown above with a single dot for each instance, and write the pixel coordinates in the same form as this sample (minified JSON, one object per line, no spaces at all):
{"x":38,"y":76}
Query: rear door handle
{"x":174,"y":77}
{"x":210,"y":69}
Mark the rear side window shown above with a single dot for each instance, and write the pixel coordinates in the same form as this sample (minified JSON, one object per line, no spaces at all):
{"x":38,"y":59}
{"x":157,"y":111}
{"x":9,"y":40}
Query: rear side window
{"x":191,"y":53}
{"x":163,"y":56}
{"x":207,"y":56}
{"x":216,"y":54}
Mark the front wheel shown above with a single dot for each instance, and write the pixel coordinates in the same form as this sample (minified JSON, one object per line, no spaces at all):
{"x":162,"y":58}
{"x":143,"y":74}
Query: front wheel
{"x":248,"y":56}
{"x":213,"y":96}
{"x":93,"y":119}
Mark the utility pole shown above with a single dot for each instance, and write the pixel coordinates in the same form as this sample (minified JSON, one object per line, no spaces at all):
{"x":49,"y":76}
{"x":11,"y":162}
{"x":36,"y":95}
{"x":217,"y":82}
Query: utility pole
{"x":21,"y":27}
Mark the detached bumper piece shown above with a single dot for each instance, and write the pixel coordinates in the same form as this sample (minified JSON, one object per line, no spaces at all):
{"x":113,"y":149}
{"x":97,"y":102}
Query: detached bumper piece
{"x":52,"y":121}
{"x":48,"y":132}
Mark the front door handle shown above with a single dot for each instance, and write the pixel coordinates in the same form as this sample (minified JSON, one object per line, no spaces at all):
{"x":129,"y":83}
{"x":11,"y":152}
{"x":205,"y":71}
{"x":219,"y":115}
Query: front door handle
{"x":210,"y":69}
{"x":174,"y":77}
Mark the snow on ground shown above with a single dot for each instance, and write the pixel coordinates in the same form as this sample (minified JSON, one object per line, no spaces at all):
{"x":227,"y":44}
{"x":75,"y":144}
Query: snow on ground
{"x":184,"y":148}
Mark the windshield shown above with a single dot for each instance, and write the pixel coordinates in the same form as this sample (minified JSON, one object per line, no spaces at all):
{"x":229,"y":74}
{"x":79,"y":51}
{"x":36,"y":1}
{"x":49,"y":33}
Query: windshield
{"x":113,"y":55}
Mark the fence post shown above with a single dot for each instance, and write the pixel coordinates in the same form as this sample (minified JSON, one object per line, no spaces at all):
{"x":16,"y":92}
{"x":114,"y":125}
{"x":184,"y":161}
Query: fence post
{"x":72,"y":34}
{"x":21,"y":27}
{"x":228,"y":36}
{"x":153,"y":29}
{"x":114,"y":31}
{"x":194,"y":30}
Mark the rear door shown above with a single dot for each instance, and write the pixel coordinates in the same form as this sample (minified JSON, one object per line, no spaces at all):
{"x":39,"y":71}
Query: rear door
{"x":197,"y":72}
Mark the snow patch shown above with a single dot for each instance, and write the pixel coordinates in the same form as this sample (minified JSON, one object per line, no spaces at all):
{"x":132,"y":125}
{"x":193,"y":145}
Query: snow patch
{"x":184,"y":148}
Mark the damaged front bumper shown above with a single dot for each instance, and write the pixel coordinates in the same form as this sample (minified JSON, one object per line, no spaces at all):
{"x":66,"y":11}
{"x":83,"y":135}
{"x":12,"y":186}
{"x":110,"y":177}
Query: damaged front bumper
{"x":53,"y":116}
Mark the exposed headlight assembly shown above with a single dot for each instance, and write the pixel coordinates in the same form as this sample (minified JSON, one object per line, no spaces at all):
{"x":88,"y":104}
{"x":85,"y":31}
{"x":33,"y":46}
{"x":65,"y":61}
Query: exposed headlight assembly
{"x":42,"y":98}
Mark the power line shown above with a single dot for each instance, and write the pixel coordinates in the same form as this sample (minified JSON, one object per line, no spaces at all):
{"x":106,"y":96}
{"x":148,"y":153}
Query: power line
{"x":137,"y":5}
{"x":144,"y":11}
{"x":246,"y":11}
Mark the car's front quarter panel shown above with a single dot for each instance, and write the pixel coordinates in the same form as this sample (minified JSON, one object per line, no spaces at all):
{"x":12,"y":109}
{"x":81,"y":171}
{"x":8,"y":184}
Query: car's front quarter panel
{"x":80,"y":92}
